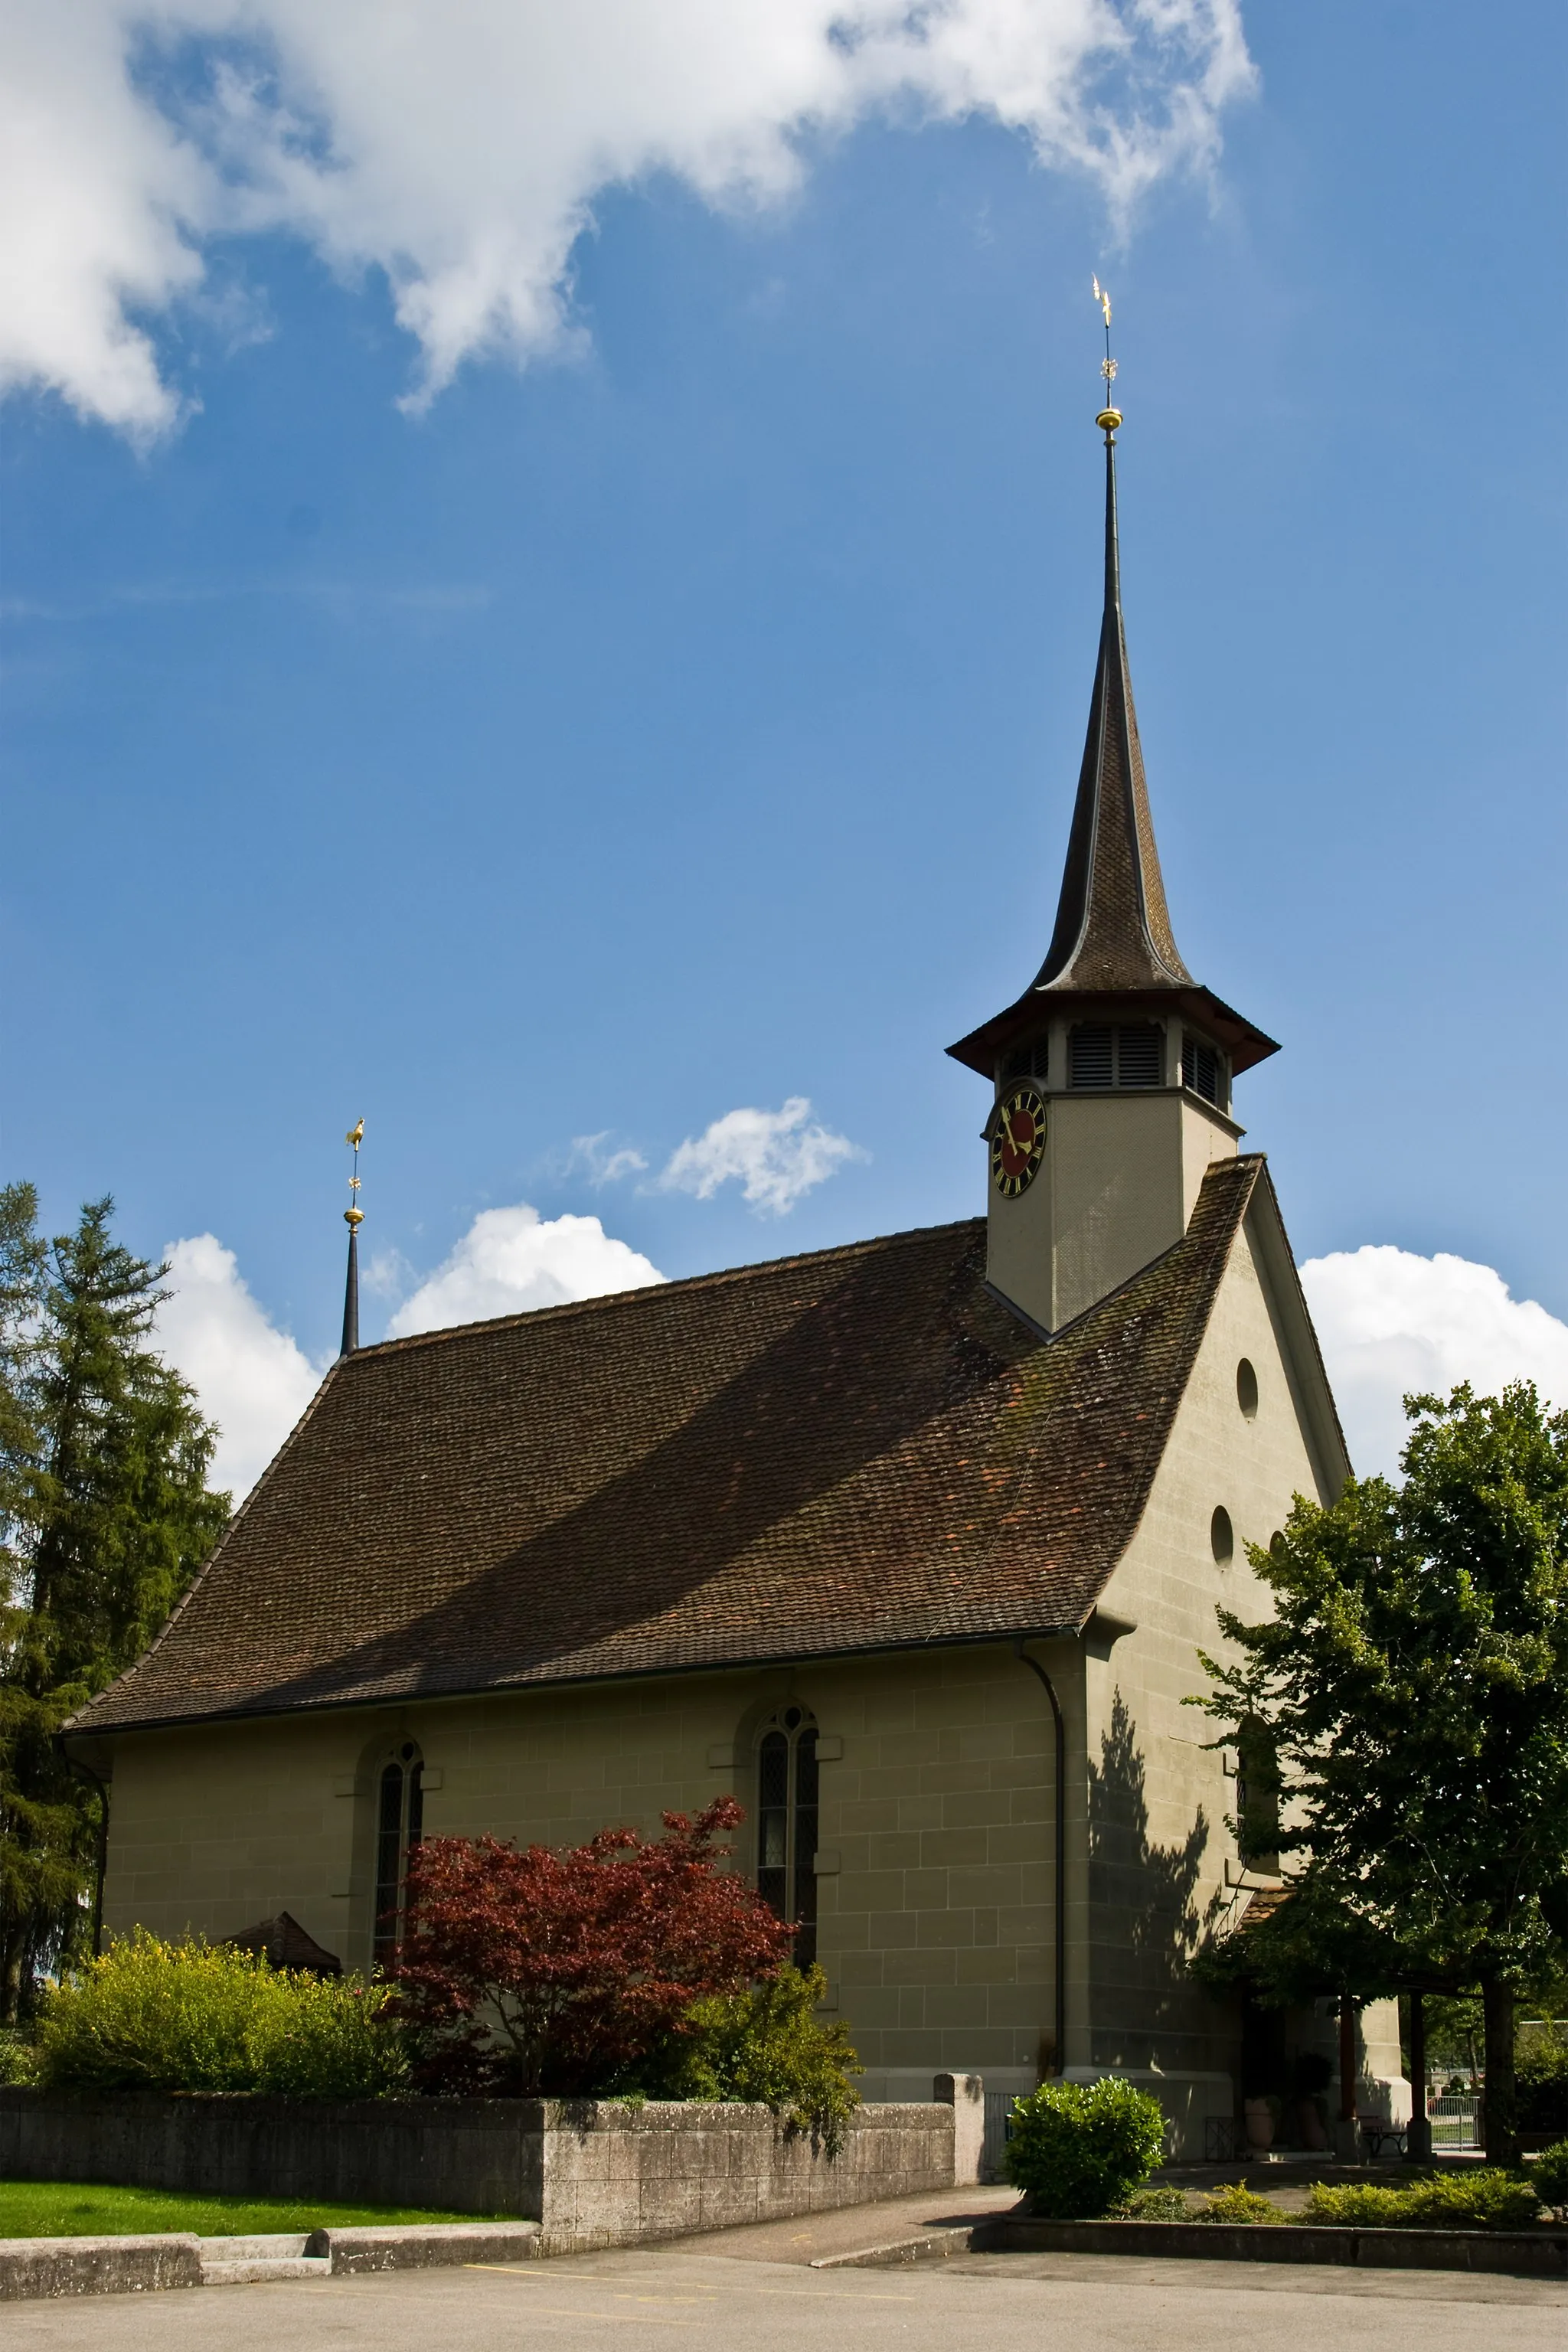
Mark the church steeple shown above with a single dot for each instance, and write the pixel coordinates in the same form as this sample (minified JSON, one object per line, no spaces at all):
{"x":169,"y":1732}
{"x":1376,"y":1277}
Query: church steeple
{"x":1112,"y":1070}
{"x":1112,"y":937}
{"x":1112,"y":927}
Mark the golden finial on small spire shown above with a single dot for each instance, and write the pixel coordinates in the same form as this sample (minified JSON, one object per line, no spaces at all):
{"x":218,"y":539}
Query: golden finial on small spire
{"x":353,"y":1214}
{"x":1110,"y":417}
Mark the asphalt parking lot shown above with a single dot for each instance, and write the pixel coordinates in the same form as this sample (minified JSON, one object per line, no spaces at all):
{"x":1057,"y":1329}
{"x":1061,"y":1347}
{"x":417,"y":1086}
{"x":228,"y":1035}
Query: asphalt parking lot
{"x":768,"y":2298}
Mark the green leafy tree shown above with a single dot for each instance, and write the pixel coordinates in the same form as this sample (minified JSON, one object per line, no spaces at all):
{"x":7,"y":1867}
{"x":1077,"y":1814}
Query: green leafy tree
{"x":103,"y":1467}
{"x":1413,"y":1680}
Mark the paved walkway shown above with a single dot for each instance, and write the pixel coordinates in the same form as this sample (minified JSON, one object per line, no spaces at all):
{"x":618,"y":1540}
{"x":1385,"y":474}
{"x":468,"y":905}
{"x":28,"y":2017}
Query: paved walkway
{"x":700,"y":2301}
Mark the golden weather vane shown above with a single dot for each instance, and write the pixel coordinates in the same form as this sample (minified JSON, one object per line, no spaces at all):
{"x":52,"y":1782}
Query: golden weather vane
{"x":1110,"y":416}
{"x":353,"y":1214}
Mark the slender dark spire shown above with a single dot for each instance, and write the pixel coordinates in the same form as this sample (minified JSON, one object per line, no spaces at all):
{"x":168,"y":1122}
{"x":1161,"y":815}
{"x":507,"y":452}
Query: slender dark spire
{"x":1113,"y":927}
{"x":1113,"y":937}
{"x":354,"y":1217}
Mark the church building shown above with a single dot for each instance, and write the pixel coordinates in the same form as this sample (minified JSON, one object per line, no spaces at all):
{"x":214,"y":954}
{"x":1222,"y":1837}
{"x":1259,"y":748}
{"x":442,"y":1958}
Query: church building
{"x":911,"y":1544}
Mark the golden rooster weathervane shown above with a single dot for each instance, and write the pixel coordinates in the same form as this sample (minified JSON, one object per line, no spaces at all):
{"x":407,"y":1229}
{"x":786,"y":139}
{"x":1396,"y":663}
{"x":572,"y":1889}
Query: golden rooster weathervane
{"x":1110,"y":417}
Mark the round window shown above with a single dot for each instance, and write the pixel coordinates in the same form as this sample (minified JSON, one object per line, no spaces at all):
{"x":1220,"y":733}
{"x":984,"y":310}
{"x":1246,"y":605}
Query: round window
{"x":1222,"y":1537}
{"x":1246,"y":1388}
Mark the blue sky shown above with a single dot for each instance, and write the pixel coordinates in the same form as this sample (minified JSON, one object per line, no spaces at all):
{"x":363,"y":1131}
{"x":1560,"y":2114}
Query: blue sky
{"x":682,"y":716}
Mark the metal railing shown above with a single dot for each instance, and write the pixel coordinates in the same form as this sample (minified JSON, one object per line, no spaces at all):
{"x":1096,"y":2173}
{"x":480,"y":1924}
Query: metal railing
{"x":1457,"y":2118}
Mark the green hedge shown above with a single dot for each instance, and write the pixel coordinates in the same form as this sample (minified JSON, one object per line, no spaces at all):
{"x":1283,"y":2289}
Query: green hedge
{"x":1484,"y":2199}
{"x":1081,"y":2148}
{"x":194,"y":2017}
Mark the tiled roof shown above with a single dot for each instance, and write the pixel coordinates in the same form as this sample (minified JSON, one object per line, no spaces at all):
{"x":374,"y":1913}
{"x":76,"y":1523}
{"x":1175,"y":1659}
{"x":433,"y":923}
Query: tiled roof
{"x":857,"y":1450}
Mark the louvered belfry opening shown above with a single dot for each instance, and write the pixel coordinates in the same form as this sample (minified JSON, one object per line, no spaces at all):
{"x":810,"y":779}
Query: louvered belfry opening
{"x":1030,"y":1061}
{"x":1102,"y":1054}
{"x":1201,"y":1069}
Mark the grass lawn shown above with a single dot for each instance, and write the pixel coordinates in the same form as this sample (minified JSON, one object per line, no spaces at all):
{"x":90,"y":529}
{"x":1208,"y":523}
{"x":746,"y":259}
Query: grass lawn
{"x":70,"y":2208}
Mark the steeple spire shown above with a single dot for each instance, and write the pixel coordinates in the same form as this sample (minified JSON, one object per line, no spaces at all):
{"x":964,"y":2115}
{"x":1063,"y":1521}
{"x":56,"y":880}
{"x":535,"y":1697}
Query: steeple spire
{"x":1112,"y":941}
{"x":354,"y":1217}
{"x":1113,"y":927}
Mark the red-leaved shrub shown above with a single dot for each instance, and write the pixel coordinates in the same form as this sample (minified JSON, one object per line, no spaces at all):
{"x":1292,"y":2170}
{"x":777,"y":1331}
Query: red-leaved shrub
{"x":542,"y":1972}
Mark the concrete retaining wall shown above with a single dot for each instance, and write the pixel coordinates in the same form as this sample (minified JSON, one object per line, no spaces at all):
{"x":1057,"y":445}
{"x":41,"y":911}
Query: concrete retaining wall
{"x":615,"y":2175}
{"x":591,"y":2173}
{"x":35,"y":2267}
{"x":451,"y":2156}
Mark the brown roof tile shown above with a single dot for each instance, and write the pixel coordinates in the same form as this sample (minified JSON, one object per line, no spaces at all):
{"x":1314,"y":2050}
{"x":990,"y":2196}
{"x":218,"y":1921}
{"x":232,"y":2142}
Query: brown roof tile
{"x":858,"y":1450}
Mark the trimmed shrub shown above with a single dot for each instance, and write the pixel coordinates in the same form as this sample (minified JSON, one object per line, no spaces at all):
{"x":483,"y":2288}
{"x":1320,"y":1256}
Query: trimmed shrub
{"x":1156,"y":2205}
{"x":1485,"y":2198}
{"x":1081,"y":2148}
{"x":1237,"y":2202}
{"x":766,"y":2045}
{"x":194,"y":2017}
{"x":1549,"y":2176}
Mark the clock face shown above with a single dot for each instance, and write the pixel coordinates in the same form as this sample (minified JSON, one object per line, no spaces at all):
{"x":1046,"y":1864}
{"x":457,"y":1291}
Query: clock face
{"x":1017,"y":1142}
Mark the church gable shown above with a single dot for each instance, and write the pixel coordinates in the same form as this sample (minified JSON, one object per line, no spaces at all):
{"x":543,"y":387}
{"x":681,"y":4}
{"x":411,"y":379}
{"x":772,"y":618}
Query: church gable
{"x":861,"y":1449}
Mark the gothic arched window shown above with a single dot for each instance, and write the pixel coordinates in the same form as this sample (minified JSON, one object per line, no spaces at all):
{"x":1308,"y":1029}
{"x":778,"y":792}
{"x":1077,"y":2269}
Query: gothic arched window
{"x":399,"y":1821}
{"x":786,"y":1824}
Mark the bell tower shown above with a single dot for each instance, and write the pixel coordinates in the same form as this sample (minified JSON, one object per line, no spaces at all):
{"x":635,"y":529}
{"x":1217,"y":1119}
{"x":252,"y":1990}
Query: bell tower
{"x":1112,"y":1072}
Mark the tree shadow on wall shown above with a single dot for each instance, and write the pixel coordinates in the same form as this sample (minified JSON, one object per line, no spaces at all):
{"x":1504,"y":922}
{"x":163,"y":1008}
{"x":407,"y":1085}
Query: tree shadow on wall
{"x":1146,"y":1919}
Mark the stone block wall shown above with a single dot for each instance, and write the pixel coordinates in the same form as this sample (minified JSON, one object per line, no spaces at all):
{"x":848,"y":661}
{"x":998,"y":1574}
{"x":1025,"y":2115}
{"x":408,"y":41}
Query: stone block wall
{"x":592,"y":2173}
{"x":616,"y":2176}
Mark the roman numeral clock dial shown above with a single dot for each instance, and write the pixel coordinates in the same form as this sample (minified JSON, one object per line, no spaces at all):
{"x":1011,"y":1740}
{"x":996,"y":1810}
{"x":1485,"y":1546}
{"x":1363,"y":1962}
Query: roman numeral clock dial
{"x":1017,"y":1142}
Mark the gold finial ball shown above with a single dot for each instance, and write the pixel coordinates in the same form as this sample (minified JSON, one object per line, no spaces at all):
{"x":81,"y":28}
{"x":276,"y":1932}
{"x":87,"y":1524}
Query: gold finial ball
{"x":354,"y":1217}
{"x":1109,"y":419}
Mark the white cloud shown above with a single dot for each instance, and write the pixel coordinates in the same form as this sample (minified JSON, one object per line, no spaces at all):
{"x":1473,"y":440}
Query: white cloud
{"x":1393,"y":1324}
{"x":511,"y":1260}
{"x":457,"y":145}
{"x":775,"y":1155}
{"x":252,"y":1378}
{"x":602,"y":1164}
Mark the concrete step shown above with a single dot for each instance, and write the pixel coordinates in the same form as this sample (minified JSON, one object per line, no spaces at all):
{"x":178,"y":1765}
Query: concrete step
{"x":252,"y":2270}
{"x":247,"y":2262}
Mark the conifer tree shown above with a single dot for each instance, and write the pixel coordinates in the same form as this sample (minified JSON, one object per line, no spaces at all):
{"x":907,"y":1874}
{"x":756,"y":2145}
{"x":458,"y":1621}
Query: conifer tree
{"x":103,"y":1463}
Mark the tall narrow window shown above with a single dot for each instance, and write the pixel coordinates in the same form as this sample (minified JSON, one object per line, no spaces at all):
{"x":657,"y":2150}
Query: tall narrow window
{"x":399,"y":1823}
{"x":787,"y":1823}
